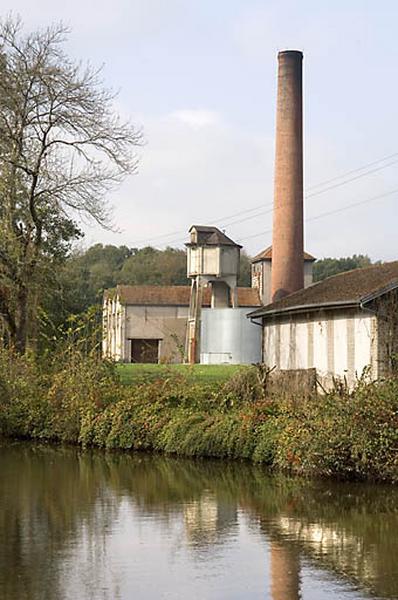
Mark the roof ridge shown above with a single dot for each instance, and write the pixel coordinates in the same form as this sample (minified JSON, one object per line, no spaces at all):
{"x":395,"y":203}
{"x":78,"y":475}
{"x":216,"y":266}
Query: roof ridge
{"x":348,"y":287}
{"x":174,"y":295}
{"x":158,"y":286}
{"x":266,"y":254}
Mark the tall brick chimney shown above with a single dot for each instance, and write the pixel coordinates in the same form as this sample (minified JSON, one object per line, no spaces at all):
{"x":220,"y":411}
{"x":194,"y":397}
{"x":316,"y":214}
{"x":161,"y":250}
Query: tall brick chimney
{"x":287,"y":244}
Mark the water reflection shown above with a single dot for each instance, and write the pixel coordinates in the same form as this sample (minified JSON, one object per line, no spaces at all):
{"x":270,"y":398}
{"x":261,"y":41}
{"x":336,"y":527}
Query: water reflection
{"x":93,"y":525}
{"x":285,"y":572}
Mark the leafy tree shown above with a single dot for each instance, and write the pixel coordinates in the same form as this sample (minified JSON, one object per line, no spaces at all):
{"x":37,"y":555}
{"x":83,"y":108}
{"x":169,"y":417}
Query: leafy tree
{"x":326,"y":267}
{"x":80,"y":280}
{"x":62,"y":149}
{"x":149,"y":266}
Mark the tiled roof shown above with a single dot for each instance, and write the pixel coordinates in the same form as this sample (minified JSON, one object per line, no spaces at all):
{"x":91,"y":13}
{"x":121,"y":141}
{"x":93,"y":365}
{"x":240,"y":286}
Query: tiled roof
{"x":267,"y":255}
{"x":174,"y":295}
{"x":349,"y":288}
{"x":211,"y":236}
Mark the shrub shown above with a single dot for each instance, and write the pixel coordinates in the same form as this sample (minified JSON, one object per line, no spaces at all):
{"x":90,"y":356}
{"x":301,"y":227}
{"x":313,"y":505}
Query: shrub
{"x":78,"y":398}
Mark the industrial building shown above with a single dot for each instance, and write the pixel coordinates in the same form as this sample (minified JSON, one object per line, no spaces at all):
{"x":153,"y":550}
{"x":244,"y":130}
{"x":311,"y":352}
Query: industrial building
{"x":149,"y":324}
{"x":342,"y":327}
{"x":208,"y":322}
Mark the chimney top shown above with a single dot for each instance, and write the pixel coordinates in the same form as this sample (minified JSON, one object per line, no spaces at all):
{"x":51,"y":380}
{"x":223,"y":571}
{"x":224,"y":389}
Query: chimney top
{"x":292,"y":53}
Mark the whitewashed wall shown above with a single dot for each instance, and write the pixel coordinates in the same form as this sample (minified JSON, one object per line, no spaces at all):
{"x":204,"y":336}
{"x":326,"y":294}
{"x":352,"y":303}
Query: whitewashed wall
{"x":339,"y":344}
{"x":114,"y":319}
{"x":212,"y":260}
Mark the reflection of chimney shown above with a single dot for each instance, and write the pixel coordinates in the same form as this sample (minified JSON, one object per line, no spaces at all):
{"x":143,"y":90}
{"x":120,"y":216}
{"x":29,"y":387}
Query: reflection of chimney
{"x":287,"y":243}
{"x":285,"y":572}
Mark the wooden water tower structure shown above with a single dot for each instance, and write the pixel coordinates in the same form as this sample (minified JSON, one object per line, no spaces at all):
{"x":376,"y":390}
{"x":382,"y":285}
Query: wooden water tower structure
{"x":212,"y":260}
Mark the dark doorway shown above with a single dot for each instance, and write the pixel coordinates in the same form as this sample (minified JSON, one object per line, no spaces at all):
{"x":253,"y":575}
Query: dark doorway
{"x":145,"y":351}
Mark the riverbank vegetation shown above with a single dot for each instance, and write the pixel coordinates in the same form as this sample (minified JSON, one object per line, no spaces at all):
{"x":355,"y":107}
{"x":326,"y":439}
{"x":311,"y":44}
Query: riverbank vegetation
{"x":74,"y":397}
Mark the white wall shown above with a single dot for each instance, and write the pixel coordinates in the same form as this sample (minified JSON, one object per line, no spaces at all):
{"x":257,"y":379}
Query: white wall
{"x":114,"y":318}
{"x":203,"y":260}
{"x":219,"y":261}
{"x":339,"y":343}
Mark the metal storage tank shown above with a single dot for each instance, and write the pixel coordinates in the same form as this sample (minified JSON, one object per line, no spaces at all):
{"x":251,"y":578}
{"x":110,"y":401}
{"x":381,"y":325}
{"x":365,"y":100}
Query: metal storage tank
{"x":228,"y":337}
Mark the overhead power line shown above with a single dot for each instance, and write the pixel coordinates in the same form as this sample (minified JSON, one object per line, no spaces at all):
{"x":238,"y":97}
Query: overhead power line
{"x":336,"y":185}
{"x":330,"y":212}
{"x":224,"y":220}
{"x":371,"y":164}
{"x":164,"y":235}
{"x":264,"y":212}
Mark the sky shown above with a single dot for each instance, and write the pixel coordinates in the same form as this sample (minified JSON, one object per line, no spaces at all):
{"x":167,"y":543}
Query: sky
{"x":199,"y":78}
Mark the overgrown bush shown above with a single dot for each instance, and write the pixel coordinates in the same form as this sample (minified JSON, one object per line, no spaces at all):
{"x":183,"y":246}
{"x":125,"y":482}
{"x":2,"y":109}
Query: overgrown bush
{"x":345,"y":435}
{"x":76,"y":397}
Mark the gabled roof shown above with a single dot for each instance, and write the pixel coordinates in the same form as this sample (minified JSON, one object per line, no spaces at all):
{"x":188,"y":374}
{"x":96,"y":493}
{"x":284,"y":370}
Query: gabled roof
{"x":267,"y":255}
{"x":352,"y":288}
{"x":174,"y":295}
{"x":210,"y":236}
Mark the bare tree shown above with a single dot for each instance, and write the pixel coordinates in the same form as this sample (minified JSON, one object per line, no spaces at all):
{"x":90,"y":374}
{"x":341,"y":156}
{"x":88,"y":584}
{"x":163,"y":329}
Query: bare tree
{"x":62,"y":149}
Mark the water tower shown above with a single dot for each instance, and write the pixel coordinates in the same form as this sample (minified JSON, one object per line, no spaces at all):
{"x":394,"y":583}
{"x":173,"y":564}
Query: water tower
{"x":212,"y":260}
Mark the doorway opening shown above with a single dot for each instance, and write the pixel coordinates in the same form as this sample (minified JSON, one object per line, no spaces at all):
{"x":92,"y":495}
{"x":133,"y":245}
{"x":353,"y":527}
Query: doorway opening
{"x":145,"y":351}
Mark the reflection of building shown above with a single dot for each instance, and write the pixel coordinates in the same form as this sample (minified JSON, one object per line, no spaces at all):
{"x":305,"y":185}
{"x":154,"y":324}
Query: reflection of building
{"x":333,"y":544}
{"x":334,"y":547}
{"x":207,"y":519}
{"x":285,"y":571}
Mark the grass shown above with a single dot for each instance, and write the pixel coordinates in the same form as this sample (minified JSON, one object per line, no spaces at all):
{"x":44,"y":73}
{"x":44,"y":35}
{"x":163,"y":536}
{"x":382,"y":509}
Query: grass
{"x":142,"y":373}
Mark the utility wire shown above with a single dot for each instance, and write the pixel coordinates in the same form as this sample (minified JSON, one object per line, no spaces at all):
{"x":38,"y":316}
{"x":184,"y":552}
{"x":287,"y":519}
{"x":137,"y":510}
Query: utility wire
{"x":330,"y":212}
{"x":221,"y":219}
{"x":264,"y":212}
{"x":224,"y":220}
{"x":332,"y":187}
{"x":371,"y":164}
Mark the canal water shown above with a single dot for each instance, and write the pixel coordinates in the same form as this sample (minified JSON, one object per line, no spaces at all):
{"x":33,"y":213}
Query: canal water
{"x":90,"y":525}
